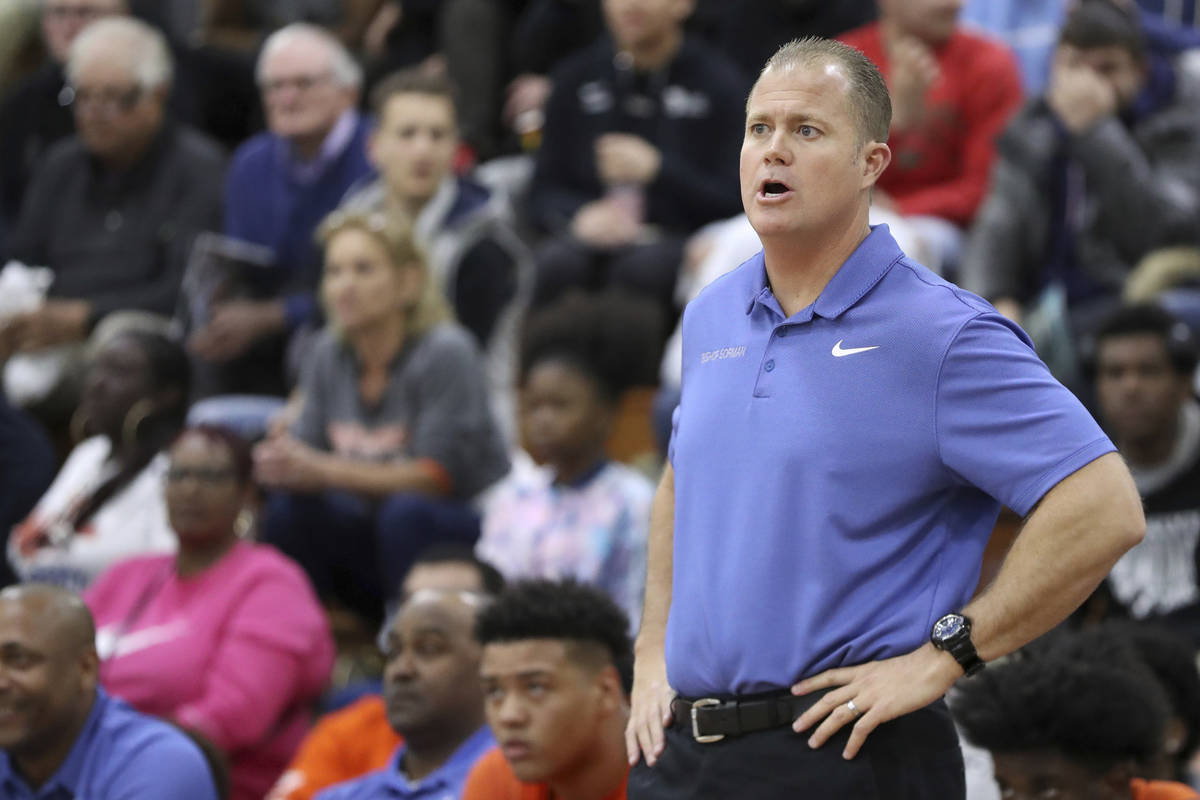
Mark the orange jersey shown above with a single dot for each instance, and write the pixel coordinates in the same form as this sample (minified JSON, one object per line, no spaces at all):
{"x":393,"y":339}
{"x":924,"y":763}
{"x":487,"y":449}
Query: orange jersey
{"x":1161,"y":790}
{"x":493,"y":779}
{"x":343,"y":745}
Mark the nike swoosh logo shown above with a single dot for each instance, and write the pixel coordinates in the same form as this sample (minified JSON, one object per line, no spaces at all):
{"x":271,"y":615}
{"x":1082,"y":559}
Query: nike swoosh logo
{"x":112,"y":645}
{"x":838,"y":352}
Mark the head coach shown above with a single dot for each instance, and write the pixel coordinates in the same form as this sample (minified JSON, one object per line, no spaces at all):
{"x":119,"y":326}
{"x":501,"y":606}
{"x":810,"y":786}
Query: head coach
{"x":849,"y":427}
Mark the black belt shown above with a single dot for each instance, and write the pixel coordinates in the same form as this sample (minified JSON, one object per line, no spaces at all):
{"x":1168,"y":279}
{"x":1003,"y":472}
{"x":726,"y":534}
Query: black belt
{"x":710,"y":719}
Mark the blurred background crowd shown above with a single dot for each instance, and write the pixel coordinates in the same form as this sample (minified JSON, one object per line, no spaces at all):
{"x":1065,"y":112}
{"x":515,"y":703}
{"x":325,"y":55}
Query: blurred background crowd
{"x":301,"y":297}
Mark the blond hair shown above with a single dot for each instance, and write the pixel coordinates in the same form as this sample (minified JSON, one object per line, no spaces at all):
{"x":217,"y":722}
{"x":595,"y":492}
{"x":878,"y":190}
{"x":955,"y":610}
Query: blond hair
{"x":396,"y":235}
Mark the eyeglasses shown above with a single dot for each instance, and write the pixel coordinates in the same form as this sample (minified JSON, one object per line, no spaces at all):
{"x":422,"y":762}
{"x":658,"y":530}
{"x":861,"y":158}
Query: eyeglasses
{"x":205,"y":477}
{"x":106,"y":101}
{"x":301,"y":83}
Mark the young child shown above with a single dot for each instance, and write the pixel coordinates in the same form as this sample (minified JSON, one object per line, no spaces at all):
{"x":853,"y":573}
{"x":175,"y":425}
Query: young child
{"x":578,"y":514}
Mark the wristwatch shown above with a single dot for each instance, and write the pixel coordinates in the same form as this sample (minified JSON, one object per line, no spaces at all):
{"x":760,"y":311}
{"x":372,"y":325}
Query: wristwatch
{"x":952,"y":633}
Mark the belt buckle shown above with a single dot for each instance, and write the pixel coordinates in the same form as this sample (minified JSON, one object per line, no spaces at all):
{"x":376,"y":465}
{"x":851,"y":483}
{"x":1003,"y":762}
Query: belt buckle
{"x":704,"y":702}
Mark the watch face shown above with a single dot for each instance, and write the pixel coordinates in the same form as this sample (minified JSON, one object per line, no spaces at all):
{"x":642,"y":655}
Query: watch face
{"x":947,"y":627}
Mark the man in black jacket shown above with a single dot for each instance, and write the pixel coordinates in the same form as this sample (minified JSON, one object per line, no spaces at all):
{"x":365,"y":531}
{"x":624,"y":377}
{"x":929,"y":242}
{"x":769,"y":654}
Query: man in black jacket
{"x":638,"y":151}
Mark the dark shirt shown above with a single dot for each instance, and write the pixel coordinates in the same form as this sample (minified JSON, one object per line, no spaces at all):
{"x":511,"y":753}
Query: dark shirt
{"x":121,"y":240}
{"x":691,"y":110}
{"x":31,"y":120}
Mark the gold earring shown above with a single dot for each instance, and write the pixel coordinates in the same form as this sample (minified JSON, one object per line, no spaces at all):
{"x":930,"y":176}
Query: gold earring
{"x":134,"y":417}
{"x":243,"y":526}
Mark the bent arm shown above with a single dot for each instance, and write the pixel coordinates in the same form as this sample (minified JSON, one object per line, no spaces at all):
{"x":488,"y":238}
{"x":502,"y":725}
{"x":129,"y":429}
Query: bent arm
{"x":1067,"y":546}
{"x":420,"y":475}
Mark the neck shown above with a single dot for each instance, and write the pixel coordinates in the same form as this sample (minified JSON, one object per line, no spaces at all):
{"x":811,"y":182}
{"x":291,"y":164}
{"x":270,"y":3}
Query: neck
{"x":799,"y":268}
{"x":576,"y":468}
{"x":126,"y":158}
{"x":37,"y":768}
{"x":308,"y":147}
{"x":1152,"y":450}
{"x":410,"y":207}
{"x":652,"y":55}
{"x":892,"y":34}
{"x":377,"y":344}
{"x":194,"y":558}
{"x":604,"y":769}
{"x":427,"y":751}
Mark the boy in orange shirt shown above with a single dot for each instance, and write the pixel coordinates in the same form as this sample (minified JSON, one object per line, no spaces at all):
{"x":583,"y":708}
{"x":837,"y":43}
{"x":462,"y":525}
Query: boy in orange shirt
{"x":556,"y":669}
{"x":1068,"y":729}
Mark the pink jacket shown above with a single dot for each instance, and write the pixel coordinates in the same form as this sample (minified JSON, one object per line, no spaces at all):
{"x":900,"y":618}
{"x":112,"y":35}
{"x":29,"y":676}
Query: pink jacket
{"x":236,"y":653}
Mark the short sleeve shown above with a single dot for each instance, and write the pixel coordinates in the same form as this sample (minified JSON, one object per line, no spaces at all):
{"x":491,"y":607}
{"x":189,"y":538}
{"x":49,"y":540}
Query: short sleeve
{"x":310,"y":426}
{"x":169,"y":765}
{"x":1003,"y":423}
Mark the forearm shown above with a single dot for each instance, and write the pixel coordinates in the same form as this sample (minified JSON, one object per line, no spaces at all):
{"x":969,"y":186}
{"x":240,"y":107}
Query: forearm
{"x":659,"y":560}
{"x":420,"y":476}
{"x":1066,"y":547}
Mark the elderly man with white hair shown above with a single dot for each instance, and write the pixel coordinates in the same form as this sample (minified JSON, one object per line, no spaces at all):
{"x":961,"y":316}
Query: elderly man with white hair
{"x":281,"y":184}
{"x":113,"y":209}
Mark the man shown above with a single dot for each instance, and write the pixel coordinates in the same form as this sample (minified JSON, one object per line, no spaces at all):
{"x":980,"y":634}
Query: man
{"x":952,"y":93}
{"x":63,"y":736}
{"x":1143,"y":364}
{"x":554,"y":659}
{"x":637,"y":153}
{"x":431,"y":688}
{"x":474,"y":252}
{"x":1072,"y":730}
{"x":113,"y":210}
{"x":849,"y":425}
{"x":281,"y":184}
{"x":1091,"y":177}
{"x":32,"y":115}
{"x":358,"y":739}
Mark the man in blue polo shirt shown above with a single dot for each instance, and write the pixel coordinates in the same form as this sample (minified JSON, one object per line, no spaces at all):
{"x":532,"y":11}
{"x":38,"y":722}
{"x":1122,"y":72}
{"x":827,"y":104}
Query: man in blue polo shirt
{"x":434,"y":700}
{"x":61,"y":736}
{"x":849,"y":425}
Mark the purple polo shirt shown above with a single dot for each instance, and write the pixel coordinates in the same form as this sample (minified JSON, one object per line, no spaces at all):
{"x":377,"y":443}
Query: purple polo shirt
{"x":838,"y":473}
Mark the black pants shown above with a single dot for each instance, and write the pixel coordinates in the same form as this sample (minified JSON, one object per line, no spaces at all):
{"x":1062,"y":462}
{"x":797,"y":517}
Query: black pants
{"x":915,"y":757}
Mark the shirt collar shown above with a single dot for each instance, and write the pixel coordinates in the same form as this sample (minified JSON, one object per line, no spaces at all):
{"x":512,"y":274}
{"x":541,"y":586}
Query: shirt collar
{"x":450,"y":775}
{"x":869,"y":262}
{"x":336,"y":142}
{"x":69,"y":773}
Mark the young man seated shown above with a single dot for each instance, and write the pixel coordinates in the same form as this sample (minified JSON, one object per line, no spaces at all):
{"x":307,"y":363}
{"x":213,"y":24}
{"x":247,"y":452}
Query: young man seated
{"x":1067,"y":728}
{"x":556,"y":669}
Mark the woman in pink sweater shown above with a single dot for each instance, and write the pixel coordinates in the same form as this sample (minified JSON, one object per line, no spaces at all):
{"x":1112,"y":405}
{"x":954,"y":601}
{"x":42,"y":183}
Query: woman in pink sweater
{"x":226,"y":637}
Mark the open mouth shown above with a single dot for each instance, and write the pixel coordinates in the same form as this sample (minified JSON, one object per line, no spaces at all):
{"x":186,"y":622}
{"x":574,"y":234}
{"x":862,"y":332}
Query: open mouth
{"x":771,"y":189}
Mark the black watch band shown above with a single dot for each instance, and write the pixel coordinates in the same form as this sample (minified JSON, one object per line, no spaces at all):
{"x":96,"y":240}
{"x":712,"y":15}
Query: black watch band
{"x":952,"y":634}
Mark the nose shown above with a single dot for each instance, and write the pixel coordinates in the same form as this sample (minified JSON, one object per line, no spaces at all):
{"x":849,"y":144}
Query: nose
{"x":401,"y":668}
{"x":778,"y":151}
{"x":510,"y":712}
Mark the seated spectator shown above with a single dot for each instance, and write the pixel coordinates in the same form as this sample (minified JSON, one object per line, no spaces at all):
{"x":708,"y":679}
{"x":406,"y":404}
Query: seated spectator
{"x":358,"y":739}
{"x":952,"y":93}
{"x":395,"y":435}
{"x":1144,"y":362}
{"x":1158,"y":655}
{"x":105,"y":504}
{"x":32,"y":114}
{"x":281,"y":184}
{"x":557,"y":666}
{"x":1067,"y":729}
{"x":1091,"y":177}
{"x":474,"y":253}
{"x":26,"y":469}
{"x":113,"y":210}
{"x":431,"y":689}
{"x":226,"y":638}
{"x":639,"y":150}
{"x":62,"y":735}
{"x":580,"y":514}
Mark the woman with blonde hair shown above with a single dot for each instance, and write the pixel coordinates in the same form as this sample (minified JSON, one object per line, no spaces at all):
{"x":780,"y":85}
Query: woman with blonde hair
{"x":395,"y":435}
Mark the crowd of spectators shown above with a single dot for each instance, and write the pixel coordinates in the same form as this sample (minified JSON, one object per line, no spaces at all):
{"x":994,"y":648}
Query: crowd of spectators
{"x":318,"y":318}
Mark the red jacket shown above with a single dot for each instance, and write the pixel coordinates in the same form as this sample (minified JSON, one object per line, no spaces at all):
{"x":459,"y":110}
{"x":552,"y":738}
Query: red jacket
{"x":941,"y":168}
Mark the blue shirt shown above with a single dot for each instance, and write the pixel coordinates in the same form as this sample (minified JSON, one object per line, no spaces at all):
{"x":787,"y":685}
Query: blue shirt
{"x":120,"y":755}
{"x":444,"y":783}
{"x":838,"y":473}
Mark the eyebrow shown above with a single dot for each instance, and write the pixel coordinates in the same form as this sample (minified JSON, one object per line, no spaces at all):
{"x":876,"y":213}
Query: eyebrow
{"x":806,"y":117}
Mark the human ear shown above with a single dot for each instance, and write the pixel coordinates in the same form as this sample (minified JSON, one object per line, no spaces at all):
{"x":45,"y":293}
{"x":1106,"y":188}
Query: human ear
{"x":875,"y":159}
